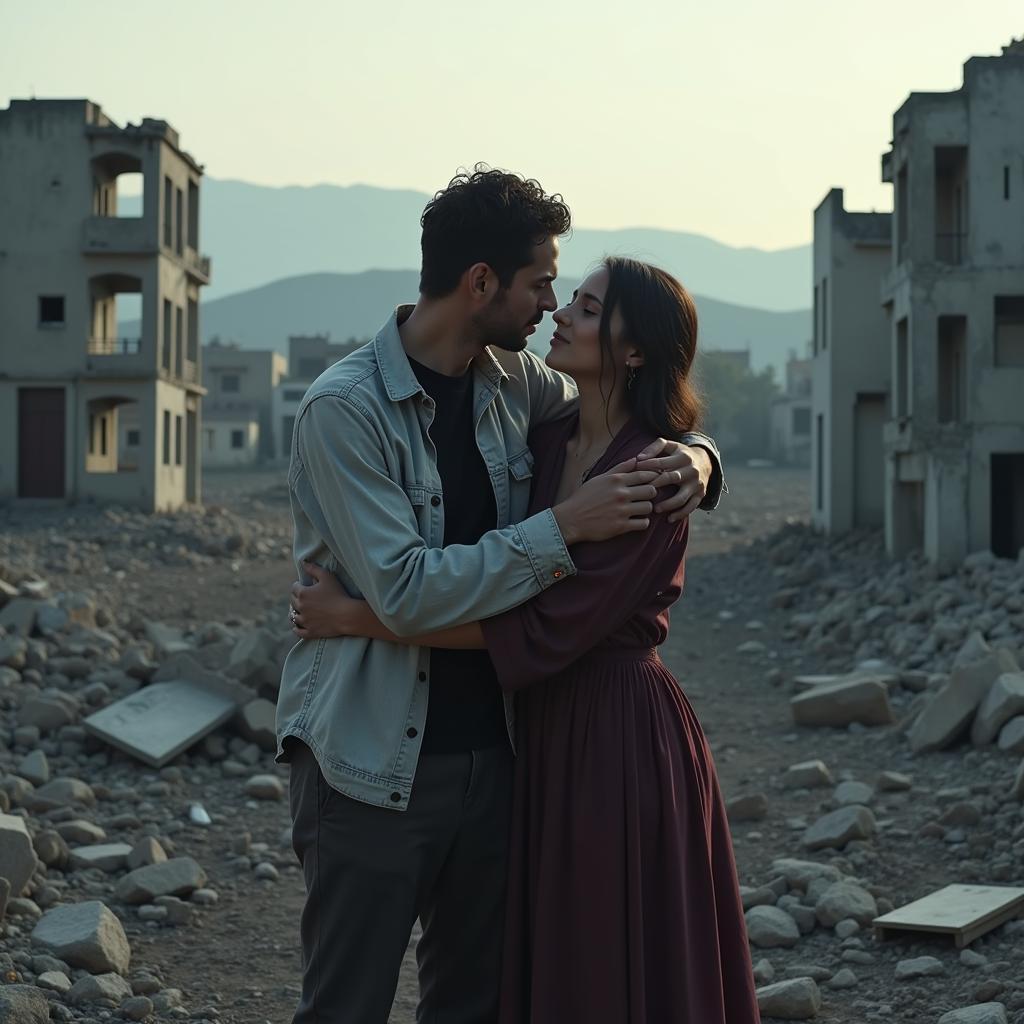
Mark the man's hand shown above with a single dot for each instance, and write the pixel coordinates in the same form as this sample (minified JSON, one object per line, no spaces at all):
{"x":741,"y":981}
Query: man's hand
{"x":678,"y":465}
{"x":616,"y":502}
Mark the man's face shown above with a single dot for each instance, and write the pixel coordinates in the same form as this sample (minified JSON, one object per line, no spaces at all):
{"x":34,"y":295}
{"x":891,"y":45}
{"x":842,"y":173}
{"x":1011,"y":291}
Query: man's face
{"x":514,"y":312}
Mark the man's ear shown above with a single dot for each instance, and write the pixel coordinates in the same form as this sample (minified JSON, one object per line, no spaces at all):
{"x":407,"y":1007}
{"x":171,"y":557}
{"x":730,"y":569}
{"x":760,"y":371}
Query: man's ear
{"x":480,"y":281}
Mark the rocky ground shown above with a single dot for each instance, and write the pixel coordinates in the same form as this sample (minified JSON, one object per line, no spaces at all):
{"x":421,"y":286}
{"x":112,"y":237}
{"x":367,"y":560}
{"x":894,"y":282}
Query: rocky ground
{"x":173,"y":894}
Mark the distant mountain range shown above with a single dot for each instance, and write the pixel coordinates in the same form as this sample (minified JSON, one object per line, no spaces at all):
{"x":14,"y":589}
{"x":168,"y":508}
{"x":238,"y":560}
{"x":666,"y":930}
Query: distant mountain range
{"x":355,"y":305}
{"x":258,"y":234}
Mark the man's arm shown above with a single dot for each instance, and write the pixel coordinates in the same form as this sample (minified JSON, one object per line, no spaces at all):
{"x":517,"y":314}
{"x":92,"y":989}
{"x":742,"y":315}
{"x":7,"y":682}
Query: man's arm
{"x":340,"y":479}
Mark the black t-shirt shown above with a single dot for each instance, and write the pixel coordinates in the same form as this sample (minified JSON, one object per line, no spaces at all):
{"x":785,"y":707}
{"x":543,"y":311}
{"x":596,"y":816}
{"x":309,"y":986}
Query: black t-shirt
{"x":465,"y":710}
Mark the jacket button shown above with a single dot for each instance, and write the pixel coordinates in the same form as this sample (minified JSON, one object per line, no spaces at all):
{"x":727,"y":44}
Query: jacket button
{"x":412,"y":732}
{"x":557,"y":574}
{"x":435,"y":501}
{"x":422,"y":677}
{"x":396,"y":798}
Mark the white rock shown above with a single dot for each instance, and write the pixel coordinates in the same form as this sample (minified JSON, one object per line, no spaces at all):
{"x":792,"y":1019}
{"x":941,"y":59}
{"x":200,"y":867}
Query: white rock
{"x":177,"y":877}
{"x":853,"y":793}
{"x":806,"y":775}
{"x":861,"y":699}
{"x":770,"y":928}
{"x":105,"y":856}
{"x":793,"y":999}
{"x":837,"y":828}
{"x":842,"y":900}
{"x":980,"y":1013}
{"x":919,"y":967}
{"x":92,"y":989}
{"x":265,"y":787}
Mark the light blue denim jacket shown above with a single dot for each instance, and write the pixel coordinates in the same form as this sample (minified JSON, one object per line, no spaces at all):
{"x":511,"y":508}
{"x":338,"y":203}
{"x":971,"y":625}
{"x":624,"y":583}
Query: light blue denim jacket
{"x":367,"y":504}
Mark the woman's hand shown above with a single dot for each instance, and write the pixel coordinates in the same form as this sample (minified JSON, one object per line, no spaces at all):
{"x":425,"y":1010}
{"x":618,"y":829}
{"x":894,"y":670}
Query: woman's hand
{"x":323,"y":609}
{"x":687,"y":468}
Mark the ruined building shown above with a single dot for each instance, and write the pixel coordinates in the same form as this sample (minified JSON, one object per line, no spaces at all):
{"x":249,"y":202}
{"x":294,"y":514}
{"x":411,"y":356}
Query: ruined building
{"x":99,"y":308}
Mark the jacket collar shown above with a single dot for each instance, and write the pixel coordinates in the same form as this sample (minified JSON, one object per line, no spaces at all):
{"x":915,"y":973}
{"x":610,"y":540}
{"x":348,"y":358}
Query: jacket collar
{"x":399,"y":380}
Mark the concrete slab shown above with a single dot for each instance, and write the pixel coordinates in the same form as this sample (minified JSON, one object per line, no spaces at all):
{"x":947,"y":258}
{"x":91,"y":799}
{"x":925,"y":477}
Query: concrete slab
{"x":158,"y":722}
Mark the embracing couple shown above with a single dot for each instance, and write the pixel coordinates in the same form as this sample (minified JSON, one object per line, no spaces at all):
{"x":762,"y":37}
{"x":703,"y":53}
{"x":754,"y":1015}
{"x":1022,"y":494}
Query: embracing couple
{"x":480,"y":730}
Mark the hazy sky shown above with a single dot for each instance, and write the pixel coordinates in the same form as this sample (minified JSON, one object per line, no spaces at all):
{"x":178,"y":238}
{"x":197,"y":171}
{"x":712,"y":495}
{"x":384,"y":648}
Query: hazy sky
{"x":730,"y":120}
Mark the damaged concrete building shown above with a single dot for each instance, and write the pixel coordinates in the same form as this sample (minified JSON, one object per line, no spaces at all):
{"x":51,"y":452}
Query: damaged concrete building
{"x":99,"y":293}
{"x":954,"y":296}
{"x":917,"y":408}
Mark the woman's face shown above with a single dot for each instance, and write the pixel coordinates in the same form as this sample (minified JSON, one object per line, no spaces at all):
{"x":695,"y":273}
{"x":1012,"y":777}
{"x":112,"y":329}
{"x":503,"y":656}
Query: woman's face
{"x":576,"y":344}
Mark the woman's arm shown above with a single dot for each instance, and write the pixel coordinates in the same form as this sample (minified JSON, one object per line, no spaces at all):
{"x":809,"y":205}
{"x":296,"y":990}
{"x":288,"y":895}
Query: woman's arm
{"x":323,"y":609}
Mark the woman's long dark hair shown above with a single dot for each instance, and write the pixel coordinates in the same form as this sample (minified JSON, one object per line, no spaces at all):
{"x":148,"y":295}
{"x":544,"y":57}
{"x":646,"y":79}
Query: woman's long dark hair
{"x":660,"y":319}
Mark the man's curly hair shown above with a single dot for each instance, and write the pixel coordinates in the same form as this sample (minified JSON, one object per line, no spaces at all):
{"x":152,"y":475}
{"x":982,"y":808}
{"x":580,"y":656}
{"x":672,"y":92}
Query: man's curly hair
{"x":486,"y":216}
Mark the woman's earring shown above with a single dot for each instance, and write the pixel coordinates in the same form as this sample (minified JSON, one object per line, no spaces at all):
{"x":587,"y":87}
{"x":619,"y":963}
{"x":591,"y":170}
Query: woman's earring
{"x":631,"y":375}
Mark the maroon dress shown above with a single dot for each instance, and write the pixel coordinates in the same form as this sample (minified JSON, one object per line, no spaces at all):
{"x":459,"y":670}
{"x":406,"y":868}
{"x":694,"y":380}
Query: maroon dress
{"x":623,"y":904}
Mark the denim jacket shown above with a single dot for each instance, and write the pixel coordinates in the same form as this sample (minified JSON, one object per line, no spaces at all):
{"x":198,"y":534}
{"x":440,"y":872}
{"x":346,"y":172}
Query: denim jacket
{"x":367,"y":504}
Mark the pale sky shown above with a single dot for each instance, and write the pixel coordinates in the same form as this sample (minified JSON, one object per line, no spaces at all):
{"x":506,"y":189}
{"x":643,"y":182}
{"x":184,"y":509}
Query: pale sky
{"x":730,"y":120}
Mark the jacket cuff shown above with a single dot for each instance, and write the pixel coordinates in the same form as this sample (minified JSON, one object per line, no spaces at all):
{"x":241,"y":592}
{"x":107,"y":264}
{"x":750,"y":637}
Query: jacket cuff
{"x":716,"y":484}
{"x":546,"y":548}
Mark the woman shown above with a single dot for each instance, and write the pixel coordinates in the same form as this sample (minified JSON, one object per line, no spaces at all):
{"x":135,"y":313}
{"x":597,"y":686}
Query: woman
{"x":623,"y":904}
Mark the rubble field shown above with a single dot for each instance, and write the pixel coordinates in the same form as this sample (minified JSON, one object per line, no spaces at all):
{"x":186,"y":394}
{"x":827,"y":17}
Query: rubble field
{"x":867,"y":719}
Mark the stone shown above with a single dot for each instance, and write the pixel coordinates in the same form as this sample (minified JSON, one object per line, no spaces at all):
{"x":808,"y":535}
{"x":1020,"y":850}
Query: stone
{"x":86,"y":935}
{"x":158,"y":722}
{"x":136,"y":1008}
{"x":749,"y":807}
{"x":845,"y":928}
{"x":34,"y":767}
{"x":18,"y":617}
{"x":853,"y":793}
{"x":836,"y":829}
{"x":98,"y":988}
{"x":22,"y":906}
{"x":23,"y":1004}
{"x":48,"y":712}
{"x":843,"y":978}
{"x":54,"y":981}
{"x":764,"y":972}
{"x":845,"y":900}
{"x":1011,"y":736}
{"x":806,"y":775}
{"x":18,"y":859}
{"x":146,"y":851}
{"x":969,"y":958}
{"x":166,"y":640}
{"x":919,"y":967}
{"x":893,"y":782}
{"x":793,"y":999}
{"x":980,"y":1013}
{"x":177,"y":911}
{"x":105,"y":856}
{"x":62,"y":792}
{"x":947,"y":716}
{"x":257,"y":722}
{"x":51,"y":848}
{"x":80,"y":832}
{"x":961,"y":815}
{"x":1017,"y":789}
{"x":799,"y":874}
{"x":762,"y":897}
{"x":265,"y":787}
{"x":861,"y":699}
{"x":176,"y":877}
{"x":252,"y":653}
{"x":770,"y":928}
{"x":1004,"y":700}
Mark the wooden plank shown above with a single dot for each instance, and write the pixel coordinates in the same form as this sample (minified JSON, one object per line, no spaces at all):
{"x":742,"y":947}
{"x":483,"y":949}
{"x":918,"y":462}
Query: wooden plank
{"x":962,"y":911}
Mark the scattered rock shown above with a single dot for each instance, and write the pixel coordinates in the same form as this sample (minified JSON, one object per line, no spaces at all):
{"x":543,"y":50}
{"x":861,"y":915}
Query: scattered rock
{"x":176,"y":877}
{"x":105,"y":856}
{"x":17,"y":857}
{"x":85,"y":935}
{"x":750,"y":807}
{"x":770,"y":927}
{"x":853,"y":793}
{"x":919,"y":967}
{"x":838,"y":827}
{"x":23,"y":1004}
{"x":806,"y":775}
{"x":861,"y":699}
{"x":265,"y":787}
{"x":842,"y":900}
{"x":99,"y":988}
{"x":793,"y":999}
{"x":1004,"y":700}
{"x":980,"y":1013}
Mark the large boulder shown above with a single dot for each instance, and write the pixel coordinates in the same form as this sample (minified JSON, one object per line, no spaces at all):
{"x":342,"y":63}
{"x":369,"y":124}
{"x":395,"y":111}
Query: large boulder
{"x":861,"y":699}
{"x":770,"y":928}
{"x":86,"y":935}
{"x":257,"y":722}
{"x":23,"y":1004}
{"x":18,"y":859}
{"x":951,"y":710}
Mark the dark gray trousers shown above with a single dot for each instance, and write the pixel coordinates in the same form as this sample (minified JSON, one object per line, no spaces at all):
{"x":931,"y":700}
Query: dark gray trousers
{"x":370,"y":872}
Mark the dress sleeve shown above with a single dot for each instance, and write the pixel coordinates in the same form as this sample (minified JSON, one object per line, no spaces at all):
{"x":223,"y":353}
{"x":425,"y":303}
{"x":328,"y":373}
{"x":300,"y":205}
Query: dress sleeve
{"x":614,"y":579}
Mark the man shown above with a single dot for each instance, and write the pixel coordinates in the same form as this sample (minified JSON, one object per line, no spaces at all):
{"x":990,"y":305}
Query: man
{"x":410,"y":480}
